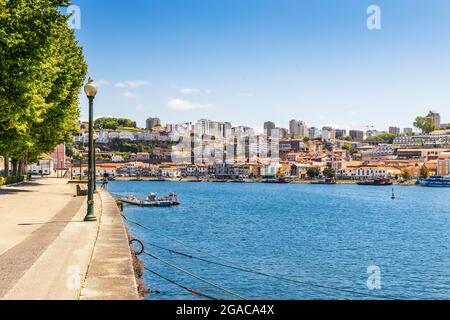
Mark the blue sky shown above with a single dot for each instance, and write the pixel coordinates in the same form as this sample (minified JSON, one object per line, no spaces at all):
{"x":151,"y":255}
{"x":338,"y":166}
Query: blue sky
{"x":249,"y":61}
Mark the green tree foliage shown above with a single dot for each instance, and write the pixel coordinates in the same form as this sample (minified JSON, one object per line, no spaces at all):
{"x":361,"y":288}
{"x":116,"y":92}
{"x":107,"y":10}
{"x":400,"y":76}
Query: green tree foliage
{"x":41,"y":71}
{"x":425,"y":124}
{"x":424,"y":172}
{"x":124,"y":146}
{"x":350,"y":148}
{"x":113,"y":123}
{"x":329,"y":173}
{"x":382,"y":138}
{"x":313,"y":172}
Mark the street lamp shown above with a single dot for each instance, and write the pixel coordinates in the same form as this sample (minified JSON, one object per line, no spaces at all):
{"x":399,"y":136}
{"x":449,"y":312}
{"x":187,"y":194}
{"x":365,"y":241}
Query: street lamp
{"x":95,"y":162}
{"x":91,"y":90}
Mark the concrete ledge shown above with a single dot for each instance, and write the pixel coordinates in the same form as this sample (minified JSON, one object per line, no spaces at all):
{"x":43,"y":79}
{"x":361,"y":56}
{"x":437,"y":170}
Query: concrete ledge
{"x":110,"y":274}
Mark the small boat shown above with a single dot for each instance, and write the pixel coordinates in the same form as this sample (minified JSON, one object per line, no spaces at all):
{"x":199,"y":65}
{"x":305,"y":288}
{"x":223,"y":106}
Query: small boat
{"x":436,"y":182}
{"x":376,"y":182}
{"x":151,"y":201}
{"x":278,"y":180}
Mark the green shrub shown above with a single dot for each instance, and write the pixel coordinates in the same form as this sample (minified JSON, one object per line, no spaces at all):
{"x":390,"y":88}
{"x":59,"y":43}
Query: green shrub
{"x":11,"y":180}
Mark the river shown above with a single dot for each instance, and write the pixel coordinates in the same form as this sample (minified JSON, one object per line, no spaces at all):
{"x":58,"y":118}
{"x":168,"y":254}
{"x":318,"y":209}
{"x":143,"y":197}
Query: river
{"x":330,"y":239}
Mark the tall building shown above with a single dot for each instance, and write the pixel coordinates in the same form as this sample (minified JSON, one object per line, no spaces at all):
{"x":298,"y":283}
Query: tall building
{"x":298,"y":128}
{"x":435,"y":118}
{"x":394,"y":130}
{"x":341,"y":133}
{"x":328,"y":133}
{"x":314,"y":132}
{"x":226,"y":129}
{"x":357,"y":135}
{"x":284,"y":133}
{"x":151,"y":123}
{"x":268,"y":127}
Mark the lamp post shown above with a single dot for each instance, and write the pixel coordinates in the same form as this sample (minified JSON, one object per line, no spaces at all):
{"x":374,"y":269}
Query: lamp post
{"x":95,"y":162}
{"x":91,"y":90}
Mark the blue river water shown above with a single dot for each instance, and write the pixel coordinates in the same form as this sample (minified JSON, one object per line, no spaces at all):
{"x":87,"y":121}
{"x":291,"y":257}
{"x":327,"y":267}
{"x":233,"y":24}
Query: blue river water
{"x":323,"y":236}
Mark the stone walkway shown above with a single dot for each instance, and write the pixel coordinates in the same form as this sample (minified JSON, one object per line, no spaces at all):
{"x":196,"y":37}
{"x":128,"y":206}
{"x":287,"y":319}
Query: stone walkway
{"x":46,"y":249}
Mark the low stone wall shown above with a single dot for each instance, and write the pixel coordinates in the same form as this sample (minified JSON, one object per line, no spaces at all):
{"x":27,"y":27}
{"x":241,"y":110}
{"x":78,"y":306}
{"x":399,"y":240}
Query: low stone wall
{"x":110,"y":275}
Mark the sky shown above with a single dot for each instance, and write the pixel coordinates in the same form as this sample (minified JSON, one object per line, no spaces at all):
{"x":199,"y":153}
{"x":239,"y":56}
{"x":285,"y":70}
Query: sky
{"x":250,"y":61}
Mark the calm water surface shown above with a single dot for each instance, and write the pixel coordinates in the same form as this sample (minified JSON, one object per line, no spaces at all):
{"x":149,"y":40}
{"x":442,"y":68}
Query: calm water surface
{"x":325,"y":235}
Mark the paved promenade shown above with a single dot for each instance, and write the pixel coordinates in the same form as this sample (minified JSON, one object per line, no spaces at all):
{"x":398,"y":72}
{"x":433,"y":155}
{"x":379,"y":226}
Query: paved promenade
{"x":47,"y":252}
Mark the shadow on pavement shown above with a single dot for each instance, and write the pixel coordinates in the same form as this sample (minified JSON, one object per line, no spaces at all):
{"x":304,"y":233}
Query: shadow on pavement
{"x":13,"y":191}
{"x":45,"y":223}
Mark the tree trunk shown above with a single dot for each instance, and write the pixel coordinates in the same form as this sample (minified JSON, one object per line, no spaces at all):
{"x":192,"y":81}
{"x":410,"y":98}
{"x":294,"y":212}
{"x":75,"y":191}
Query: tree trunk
{"x":14,"y":166}
{"x":20,"y":167}
{"x":6,"y":173}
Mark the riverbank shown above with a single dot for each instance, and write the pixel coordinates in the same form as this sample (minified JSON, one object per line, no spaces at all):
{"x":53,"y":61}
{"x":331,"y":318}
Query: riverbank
{"x":47,"y":251}
{"x":293,"y":181}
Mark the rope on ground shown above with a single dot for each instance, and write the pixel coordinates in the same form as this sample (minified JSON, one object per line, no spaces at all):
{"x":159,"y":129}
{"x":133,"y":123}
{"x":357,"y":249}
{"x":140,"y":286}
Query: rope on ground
{"x":192,"y":291}
{"x":195,"y":276}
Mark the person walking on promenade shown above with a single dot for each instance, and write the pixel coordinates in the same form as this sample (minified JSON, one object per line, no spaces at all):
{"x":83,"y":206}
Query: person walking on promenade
{"x":105,"y":183}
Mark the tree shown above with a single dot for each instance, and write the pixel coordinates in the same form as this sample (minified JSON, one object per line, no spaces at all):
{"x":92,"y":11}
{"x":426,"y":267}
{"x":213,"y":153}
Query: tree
{"x":41,"y":71}
{"x":425,"y":124}
{"x":350,"y":148}
{"x":348,"y":138}
{"x":113,"y":123}
{"x":306,"y":139}
{"x":313,"y":172}
{"x":382,"y":138}
{"x":329,"y":173}
{"x":406,"y":174}
{"x":424,"y":172}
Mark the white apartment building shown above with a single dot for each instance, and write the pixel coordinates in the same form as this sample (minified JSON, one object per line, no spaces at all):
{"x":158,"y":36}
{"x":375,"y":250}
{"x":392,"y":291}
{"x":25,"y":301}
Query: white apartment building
{"x":371,"y":172}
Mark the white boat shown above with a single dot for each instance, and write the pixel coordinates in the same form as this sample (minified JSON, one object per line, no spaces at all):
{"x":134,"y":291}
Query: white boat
{"x":151,"y":201}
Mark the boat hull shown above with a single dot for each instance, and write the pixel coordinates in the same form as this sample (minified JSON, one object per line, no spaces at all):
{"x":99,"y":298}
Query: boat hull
{"x":142,"y":203}
{"x":436,"y":182}
{"x":376,"y":182}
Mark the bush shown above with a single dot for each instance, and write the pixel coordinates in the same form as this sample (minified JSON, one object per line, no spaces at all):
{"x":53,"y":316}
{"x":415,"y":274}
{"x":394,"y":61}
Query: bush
{"x":11,"y":180}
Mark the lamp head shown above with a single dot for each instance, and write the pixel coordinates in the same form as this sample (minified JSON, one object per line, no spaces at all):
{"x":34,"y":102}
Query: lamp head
{"x":90,"y":88}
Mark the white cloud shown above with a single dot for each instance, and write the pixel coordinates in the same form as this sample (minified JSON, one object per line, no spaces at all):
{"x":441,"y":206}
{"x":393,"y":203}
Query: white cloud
{"x":131,"y":95}
{"x":140,"y":108}
{"x":132,"y":84}
{"x":189,"y":91}
{"x":103,"y":83}
{"x":180,"y":104}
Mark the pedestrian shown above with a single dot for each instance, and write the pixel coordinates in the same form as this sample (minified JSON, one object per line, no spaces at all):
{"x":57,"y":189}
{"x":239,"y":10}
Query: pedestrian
{"x":105,"y":183}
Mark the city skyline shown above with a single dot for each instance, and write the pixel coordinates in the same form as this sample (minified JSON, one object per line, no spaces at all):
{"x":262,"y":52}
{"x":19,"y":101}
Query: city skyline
{"x":293,"y":126}
{"x":246,"y":63}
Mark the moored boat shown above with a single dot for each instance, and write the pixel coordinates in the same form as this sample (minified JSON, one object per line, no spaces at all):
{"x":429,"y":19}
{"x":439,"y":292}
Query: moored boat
{"x":436,"y":181}
{"x":151,"y":201}
{"x":376,"y":182}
